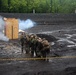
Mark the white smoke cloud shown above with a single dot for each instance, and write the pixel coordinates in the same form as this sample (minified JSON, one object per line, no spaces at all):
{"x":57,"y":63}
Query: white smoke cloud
{"x":2,"y":37}
{"x":2,"y":23}
{"x":25,"y":24}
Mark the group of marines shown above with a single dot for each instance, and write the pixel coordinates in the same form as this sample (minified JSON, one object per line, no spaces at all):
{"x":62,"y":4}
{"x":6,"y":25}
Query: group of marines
{"x":34,"y":45}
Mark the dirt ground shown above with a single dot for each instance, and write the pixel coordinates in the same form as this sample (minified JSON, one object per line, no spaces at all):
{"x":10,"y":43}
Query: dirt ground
{"x":62,"y":53}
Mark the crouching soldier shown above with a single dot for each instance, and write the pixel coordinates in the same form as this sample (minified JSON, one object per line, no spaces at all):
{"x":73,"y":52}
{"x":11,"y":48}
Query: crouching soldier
{"x":46,"y":48}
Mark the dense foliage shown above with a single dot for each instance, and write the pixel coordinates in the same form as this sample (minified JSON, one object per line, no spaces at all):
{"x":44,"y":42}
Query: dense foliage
{"x":38,"y":6}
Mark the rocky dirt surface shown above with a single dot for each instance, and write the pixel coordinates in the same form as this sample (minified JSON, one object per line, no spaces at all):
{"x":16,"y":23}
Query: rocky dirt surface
{"x":62,"y":59}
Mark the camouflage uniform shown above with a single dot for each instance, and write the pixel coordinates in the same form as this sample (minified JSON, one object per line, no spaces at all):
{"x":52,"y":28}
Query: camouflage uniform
{"x":39,"y":47}
{"x":46,"y":48}
{"x":22,"y":41}
{"x":27,"y":48}
{"x":33,"y":44}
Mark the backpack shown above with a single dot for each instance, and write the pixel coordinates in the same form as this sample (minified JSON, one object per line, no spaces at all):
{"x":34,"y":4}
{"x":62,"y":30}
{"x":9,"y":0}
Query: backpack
{"x":45,"y":43}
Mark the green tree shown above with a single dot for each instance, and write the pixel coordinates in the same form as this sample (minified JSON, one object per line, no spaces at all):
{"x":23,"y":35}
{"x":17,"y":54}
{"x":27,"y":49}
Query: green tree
{"x":3,"y":5}
{"x":40,"y":6}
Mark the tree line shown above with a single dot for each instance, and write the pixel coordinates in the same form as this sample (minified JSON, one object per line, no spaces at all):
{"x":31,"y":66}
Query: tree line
{"x":37,"y":6}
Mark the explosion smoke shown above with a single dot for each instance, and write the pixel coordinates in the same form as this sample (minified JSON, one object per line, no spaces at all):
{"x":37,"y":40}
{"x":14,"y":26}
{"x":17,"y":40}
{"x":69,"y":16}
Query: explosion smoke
{"x":25,"y":24}
{"x":2,"y":23}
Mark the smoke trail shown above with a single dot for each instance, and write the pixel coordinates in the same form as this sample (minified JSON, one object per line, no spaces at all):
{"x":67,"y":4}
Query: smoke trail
{"x":25,"y":24}
{"x":2,"y":23}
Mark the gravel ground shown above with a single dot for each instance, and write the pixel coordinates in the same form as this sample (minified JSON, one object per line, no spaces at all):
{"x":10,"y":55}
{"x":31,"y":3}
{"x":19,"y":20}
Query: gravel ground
{"x":62,"y":53}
